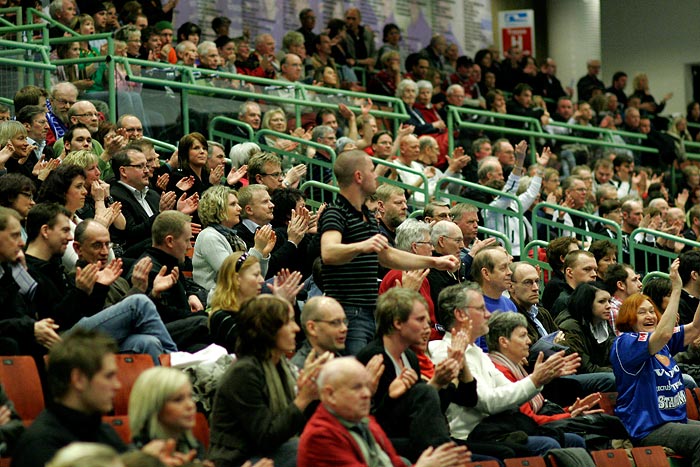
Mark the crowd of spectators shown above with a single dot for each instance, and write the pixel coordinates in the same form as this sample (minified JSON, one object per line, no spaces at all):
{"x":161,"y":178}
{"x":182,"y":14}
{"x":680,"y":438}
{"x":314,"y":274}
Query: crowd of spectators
{"x":464,"y":349}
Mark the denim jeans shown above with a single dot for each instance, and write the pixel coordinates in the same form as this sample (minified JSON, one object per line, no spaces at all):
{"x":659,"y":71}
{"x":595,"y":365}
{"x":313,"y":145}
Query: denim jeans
{"x":361,"y":328}
{"x":136,"y":326}
{"x":539,"y":445}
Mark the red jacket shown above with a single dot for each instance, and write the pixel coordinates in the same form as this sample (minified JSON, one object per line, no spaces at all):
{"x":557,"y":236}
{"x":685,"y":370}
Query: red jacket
{"x":327,"y":443}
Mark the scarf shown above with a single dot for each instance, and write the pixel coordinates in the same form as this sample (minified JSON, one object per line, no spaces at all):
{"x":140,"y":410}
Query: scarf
{"x":281,"y":392}
{"x":57,"y":126}
{"x":519,"y":372}
{"x":237,"y":244}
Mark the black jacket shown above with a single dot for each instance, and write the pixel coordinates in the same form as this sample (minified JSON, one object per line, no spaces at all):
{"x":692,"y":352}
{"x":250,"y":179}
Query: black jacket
{"x":173,"y":304}
{"x":138,"y":223}
{"x":58,"y":426}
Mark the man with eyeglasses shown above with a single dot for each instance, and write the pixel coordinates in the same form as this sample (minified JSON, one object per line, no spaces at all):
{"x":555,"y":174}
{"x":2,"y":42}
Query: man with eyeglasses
{"x":447,"y":241}
{"x":325,"y":326}
{"x":85,"y":114}
{"x":462,"y":310}
{"x":437,"y":211}
{"x":130,"y":127}
{"x":80,"y":301}
{"x":63,"y":96}
{"x":140,"y":204}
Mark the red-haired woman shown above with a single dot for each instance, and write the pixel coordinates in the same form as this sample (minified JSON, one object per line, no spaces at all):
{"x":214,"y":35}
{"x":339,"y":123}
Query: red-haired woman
{"x":651,"y":393}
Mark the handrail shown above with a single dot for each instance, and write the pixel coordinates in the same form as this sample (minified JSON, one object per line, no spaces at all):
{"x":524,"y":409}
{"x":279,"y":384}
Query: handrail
{"x":596,"y":129}
{"x":7,"y":11}
{"x":306,"y":187}
{"x":657,"y":252}
{"x":7,"y":101}
{"x":213,"y":132}
{"x":423,"y":189}
{"x":455,"y":113}
{"x":544,"y":267}
{"x":540,"y":218}
{"x":32,"y":12}
{"x":487,"y":207}
{"x":301,"y":156}
{"x":161,"y":144}
{"x":499,"y":235}
{"x":654,"y":275}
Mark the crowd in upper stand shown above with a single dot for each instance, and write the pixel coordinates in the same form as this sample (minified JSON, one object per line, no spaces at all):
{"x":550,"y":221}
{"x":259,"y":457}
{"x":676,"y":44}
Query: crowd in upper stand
{"x":106,"y":244}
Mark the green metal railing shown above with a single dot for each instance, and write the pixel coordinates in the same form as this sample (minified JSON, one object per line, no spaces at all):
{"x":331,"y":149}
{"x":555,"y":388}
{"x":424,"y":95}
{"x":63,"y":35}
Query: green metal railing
{"x":516,"y":213}
{"x":505,"y":241}
{"x":308,"y":186}
{"x":541,"y":218}
{"x":171,"y":148}
{"x":224,"y":137}
{"x":532,"y":133}
{"x":654,"y":257}
{"x":653,"y":275}
{"x":423,"y":189}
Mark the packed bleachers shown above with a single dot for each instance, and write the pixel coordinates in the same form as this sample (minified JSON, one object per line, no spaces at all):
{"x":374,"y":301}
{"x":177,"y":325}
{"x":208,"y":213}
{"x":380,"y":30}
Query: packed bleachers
{"x":161,"y":190}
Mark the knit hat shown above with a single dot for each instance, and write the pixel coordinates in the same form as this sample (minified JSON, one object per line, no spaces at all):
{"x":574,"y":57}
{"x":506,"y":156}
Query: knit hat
{"x":161,"y":25}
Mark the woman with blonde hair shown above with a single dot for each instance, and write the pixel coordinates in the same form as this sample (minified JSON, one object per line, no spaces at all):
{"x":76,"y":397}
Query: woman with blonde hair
{"x":219,"y":212}
{"x":161,"y":407}
{"x":648,"y":104}
{"x":240,"y":279}
{"x":14,"y":147}
{"x":86,"y":455}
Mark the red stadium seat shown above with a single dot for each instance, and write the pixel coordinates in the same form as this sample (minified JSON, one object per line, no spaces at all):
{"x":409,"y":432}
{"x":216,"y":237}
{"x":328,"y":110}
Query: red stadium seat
{"x":129,"y":367}
{"x":650,"y":456}
{"x":20,"y":378}
{"x":532,"y":461}
{"x":120,"y":423}
{"x":611,"y":458}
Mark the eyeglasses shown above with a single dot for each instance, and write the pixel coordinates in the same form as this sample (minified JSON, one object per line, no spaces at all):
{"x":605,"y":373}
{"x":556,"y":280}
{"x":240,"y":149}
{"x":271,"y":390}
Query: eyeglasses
{"x":423,"y":243}
{"x":336,"y":323}
{"x":88,"y":114}
{"x":101,"y":245}
{"x":137,"y":166}
{"x":455,"y":239}
{"x":132,"y":130}
{"x":28,"y":194}
{"x":241,"y":260}
{"x":273,"y":174}
{"x":481,"y":308}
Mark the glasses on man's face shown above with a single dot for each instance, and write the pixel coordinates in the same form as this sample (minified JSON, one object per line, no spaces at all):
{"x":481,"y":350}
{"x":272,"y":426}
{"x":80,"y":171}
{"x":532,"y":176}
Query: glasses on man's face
{"x":28,"y":194}
{"x":273,"y":174}
{"x":336,"y":323}
{"x":132,"y":130}
{"x":88,"y":114}
{"x":456,"y":239}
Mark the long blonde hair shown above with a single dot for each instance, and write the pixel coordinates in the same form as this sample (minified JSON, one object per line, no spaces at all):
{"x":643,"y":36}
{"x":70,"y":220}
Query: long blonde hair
{"x":226,"y":292}
{"x":151,"y":391}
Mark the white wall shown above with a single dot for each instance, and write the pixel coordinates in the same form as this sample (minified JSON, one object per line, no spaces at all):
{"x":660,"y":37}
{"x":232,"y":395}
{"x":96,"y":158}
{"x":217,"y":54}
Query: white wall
{"x":659,"y":38}
{"x":573,"y":43}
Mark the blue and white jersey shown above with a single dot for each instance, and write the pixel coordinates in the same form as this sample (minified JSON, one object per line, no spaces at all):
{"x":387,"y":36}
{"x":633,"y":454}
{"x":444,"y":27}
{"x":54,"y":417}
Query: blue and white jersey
{"x":650,"y":387}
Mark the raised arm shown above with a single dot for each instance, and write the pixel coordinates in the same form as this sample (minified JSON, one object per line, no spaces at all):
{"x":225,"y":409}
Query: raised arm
{"x":664,"y":329}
